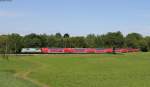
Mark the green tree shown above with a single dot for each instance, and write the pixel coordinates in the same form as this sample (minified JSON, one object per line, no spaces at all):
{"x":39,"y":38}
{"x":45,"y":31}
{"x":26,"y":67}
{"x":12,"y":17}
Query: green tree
{"x":133,"y":40}
{"x":58,"y":35}
{"x":113,"y":39}
{"x":147,"y":39}
{"x":78,"y":42}
{"x":99,"y":42}
{"x":15,"y":40}
{"x":143,"y":45}
{"x":44,"y":40}
{"x":4,"y":46}
{"x":32,"y":41}
{"x":59,"y":40}
{"x":66,"y":35}
{"x":90,"y":40}
{"x":55,"y":42}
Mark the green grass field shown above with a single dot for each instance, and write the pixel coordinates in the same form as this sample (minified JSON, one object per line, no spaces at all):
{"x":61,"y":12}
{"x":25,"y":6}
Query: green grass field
{"x":76,"y":70}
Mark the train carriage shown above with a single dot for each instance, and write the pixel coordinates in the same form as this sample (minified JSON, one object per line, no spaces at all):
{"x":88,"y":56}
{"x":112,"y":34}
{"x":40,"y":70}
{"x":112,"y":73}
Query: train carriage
{"x":31,"y":50}
{"x":52,"y":50}
{"x":79,"y":50}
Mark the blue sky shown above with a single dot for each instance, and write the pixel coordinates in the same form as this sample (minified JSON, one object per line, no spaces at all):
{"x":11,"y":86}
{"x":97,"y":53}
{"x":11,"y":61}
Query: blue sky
{"x":76,"y":17}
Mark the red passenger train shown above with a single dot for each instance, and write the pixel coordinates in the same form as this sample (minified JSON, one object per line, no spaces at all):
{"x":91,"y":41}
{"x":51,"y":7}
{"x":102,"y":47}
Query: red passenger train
{"x":77,"y":50}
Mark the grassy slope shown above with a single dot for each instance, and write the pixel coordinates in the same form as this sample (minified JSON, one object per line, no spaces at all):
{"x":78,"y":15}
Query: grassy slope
{"x":106,"y":70}
{"x":8,"y":80}
{"x":8,"y":70}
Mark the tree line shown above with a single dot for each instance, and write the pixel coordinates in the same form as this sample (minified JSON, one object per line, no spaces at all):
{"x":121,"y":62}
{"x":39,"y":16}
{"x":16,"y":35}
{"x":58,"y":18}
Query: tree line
{"x":13,"y":43}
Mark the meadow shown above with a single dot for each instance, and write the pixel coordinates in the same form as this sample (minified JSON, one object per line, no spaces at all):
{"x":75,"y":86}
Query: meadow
{"x":76,"y":70}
